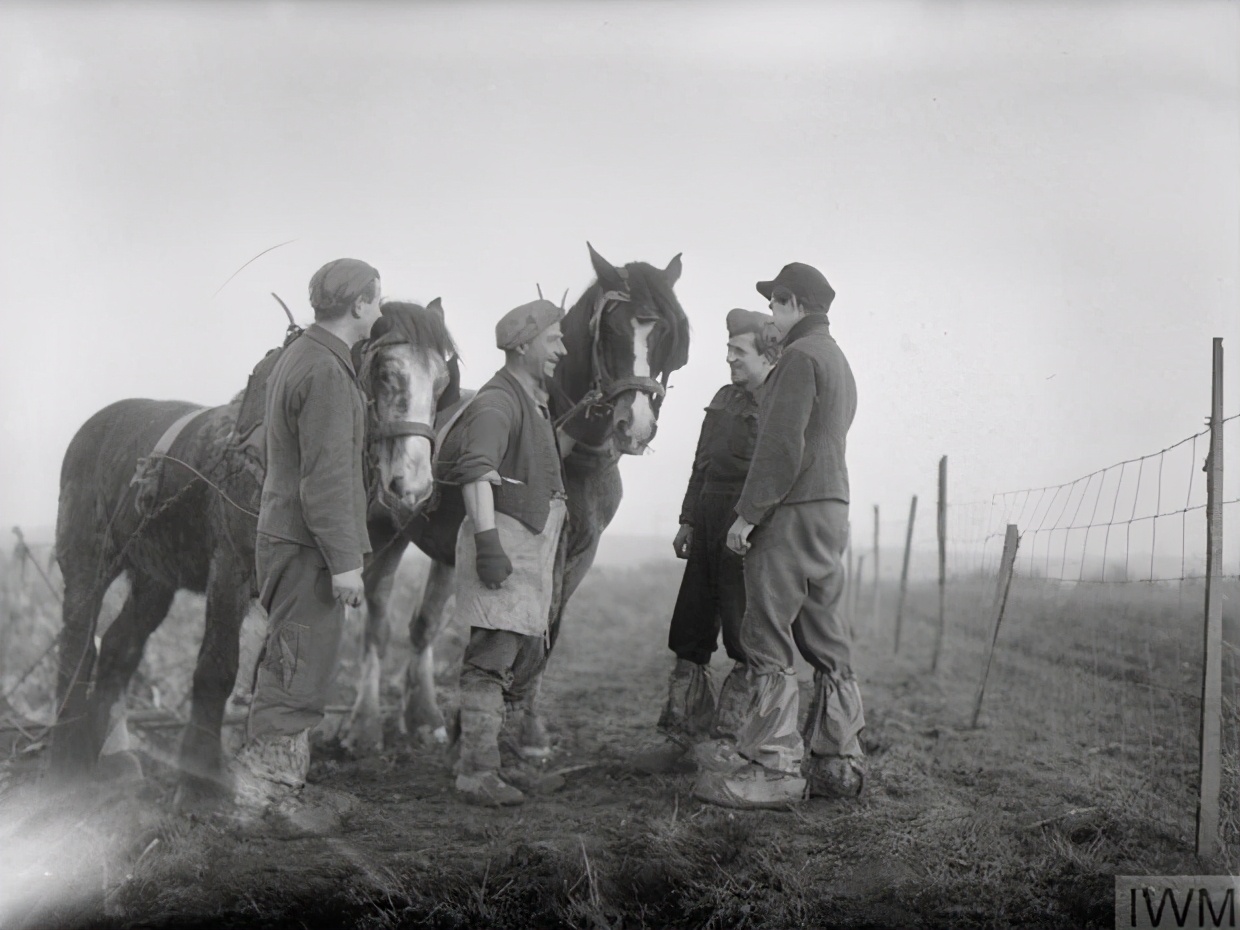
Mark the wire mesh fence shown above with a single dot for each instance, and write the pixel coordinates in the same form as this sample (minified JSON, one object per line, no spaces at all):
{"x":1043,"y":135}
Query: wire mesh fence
{"x":1098,"y":665}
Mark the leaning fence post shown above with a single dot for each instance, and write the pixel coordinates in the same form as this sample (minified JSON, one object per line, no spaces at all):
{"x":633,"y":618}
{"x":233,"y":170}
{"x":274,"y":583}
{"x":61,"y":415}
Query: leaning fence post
{"x":1011,"y":541}
{"x":1210,"y":770}
{"x":908,"y":547}
{"x":942,"y":528}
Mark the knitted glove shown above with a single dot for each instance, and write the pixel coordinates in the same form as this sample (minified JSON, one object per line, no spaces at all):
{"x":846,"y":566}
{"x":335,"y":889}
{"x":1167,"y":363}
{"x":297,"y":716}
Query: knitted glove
{"x":492,"y":561}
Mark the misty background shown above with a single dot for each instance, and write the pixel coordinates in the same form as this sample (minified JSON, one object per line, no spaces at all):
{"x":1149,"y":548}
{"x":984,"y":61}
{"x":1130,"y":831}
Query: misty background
{"x":1030,"y":212}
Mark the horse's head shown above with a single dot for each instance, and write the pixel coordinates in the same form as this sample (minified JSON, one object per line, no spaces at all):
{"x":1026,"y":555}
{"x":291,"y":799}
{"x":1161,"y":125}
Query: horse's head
{"x":625,"y":336}
{"x":408,"y":369}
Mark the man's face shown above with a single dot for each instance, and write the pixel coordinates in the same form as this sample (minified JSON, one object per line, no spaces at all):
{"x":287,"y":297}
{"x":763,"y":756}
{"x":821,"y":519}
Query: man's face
{"x":368,"y":310}
{"x":786,"y":310}
{"x":544,"y":352}
{"x":749,"y":366}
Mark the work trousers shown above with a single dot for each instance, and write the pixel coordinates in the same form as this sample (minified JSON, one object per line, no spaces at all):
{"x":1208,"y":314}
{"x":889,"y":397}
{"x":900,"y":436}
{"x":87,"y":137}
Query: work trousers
{"x":794,"y":576}
{"x":712,"y":590}
{"x":499,"y":666}
{"x":305,"y":623}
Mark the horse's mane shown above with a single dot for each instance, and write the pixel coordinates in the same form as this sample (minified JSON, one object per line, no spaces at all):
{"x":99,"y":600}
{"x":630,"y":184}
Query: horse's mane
{"x":425,"y":324}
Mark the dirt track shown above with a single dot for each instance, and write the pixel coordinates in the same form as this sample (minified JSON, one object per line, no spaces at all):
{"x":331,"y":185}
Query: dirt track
{"x":960,"y":827}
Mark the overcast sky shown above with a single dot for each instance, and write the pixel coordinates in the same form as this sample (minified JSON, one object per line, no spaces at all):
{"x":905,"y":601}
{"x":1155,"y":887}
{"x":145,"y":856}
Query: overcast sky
{"x":1029,"y":211}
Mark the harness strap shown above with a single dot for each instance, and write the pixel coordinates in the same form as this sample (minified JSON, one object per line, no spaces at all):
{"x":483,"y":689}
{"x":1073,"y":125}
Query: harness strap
{"x":146,"y":475}
{"x":398,"y":429}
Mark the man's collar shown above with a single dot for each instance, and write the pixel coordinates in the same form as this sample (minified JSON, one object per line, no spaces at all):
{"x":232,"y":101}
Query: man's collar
{"x":332,"y":342}
{"x":811,"y":322}
{"x":537,"y":392}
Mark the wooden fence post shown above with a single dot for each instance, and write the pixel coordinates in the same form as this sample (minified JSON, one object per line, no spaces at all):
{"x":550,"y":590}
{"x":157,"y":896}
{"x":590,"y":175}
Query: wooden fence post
{"x":1210,"y":770}
{"x":850,"y":585}
{"x":942,"y":528}
{"x":1011,"y":541}
{"x":908,"y":548}
{"x":876,"y":598}
{"x":856,"y":594}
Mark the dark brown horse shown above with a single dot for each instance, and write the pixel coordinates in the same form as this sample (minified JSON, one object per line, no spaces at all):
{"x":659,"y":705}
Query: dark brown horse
{"x":192,"y":524}
{"x":625,"y":336}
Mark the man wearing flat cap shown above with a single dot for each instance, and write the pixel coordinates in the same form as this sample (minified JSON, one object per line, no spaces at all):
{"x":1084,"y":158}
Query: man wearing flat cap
{"x":311,"y":528}
{"x":792,"y":527}
{"x":712,"y":589}
{"x":504,"y":454}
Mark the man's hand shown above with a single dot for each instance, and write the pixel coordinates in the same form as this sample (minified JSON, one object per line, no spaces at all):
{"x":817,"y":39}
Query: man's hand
{"x":683,"y":540}
{"x":349,"y":588}
{"x":738,"y":536}
{"x":491,"y":560}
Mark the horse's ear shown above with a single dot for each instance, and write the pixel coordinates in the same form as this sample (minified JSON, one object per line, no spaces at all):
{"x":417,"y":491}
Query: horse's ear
{"x":608,"y":276}
{"x":436,"y":308}
{"x":673,"y":270}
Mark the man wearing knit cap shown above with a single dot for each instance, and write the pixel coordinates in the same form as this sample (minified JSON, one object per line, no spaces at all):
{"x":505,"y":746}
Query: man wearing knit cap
{"x":712,"y":589}
{"x":792,"y":527}
{"x":311,"y":529}
{"x":504,"y":454}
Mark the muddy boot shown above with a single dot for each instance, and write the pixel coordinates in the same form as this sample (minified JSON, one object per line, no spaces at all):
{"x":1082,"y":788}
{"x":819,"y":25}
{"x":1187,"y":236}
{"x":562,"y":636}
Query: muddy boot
{"x":478,"y":762}
{"x":754,"y":787}
{"x":530,"y":778}
{"x":523,"y":734}
{"x":519,"y":771}
{"x":685,"y":719}
{"x":669,"y":758}
{"x":836,"y":776}
{"x":733,"y":704}
{"x":487,"y":789}
{"x":835,"y":761}
{"x":270,"y":768}
{"x":717,"y":755}
{"x":690,"y":706}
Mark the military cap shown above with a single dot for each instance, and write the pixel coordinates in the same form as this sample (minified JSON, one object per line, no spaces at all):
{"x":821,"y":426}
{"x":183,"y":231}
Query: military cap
{"x":521,"y":324}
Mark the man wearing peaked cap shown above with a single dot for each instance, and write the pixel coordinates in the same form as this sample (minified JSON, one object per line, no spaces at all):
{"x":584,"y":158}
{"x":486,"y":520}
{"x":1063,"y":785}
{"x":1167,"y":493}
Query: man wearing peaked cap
{"x":792,"y":527}
{"x":504,"y":454}
{"x":712,"y":589}
{"x":804,"y":282}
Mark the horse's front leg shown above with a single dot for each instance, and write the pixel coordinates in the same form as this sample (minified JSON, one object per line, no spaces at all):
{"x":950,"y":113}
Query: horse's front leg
{"x":362,"y":731}
{"x":421,"y":718}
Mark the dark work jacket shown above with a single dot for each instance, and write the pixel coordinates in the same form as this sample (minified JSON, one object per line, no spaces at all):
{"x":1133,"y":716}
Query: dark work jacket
{"x":505,"y":430}
{"x":314,"y":492}
{"x":809,"y":402}
{"x":725,"y":445}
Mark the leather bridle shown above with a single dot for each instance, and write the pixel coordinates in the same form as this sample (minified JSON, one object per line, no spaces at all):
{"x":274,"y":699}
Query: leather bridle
{"x":604,"y":389}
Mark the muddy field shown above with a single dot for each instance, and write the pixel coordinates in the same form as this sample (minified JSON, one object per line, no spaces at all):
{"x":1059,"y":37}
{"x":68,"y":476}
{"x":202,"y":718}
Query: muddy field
{"x":1083,"y":767}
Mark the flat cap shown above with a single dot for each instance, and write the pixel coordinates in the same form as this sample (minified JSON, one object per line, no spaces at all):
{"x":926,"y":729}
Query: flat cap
{"x":805,"y":281}
{"x":521,"y":324}
{"x":337,"y":284}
